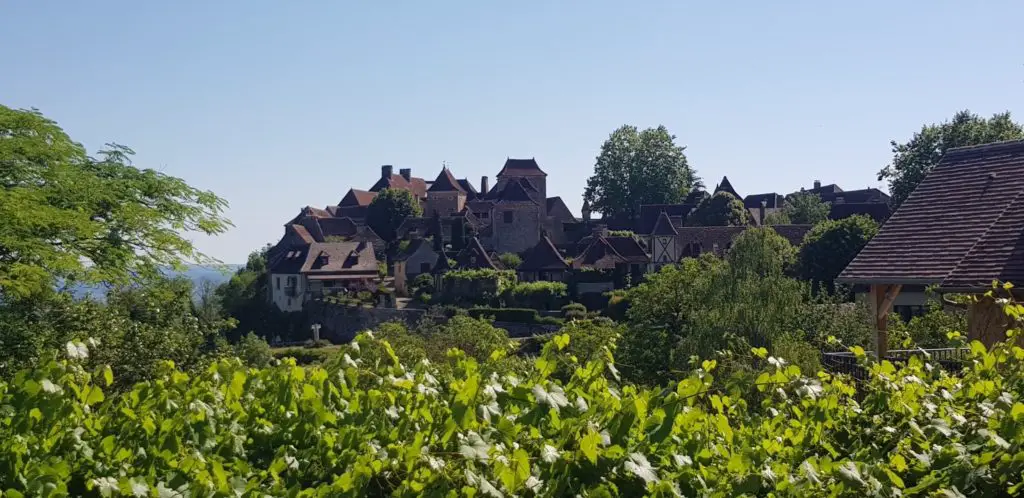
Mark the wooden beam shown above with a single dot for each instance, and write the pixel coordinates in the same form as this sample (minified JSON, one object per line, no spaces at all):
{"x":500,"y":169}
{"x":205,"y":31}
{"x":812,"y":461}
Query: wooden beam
{"x":882,"y":296}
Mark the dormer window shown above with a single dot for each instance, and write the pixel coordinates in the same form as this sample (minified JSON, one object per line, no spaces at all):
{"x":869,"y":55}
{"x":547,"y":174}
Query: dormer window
{"x":322,"y":260}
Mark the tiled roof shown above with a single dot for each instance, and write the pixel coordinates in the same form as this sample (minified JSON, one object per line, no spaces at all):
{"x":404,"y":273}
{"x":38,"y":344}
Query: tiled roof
{"x":521,"y":167}
{"x":416,"y":185}
{"x":606,"y":252}
{"x":726,"y":186}
{"x":415,"y":245}
{"x":629,"y":248}
{"x":557,"y":209}
{"x":446,"y":182}
{"x":470,"y":190}
{"x":649,"y":214}
{"x":357,"y":198}
{"x":708,"y":238}
{"x":664,"y":226}
{"x":515,"y":192}
{"x":877,"y":211}
{"x":337,"y":227}
{"x":340,"y":258}
{"x":289,"y":260}
{"x":543,"y":256}
{"x":354,"y":212}
{"x":695,"y":196}
{"x":961,"y":227}
{"x":772,"y":200}
{"x":300,"y":232}
{"x":856,"y":196}
{"x":474,"y":256}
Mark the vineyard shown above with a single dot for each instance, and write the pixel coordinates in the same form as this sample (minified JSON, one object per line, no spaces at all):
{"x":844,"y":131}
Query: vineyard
{"x":369,"y":426}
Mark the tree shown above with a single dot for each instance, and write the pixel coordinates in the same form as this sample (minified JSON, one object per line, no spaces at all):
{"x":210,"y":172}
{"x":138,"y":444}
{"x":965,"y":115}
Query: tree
{"x":389,"y":209}
{"x":914,"y":159}
{"x":831,"y":245}
{"x":721,"y":209}
{"x":66,"y":216}
{"x":639,"y":167}
{"x":801,"y":208}
{"x":246,"y":299}
{"x":759,"y":253}
{"x":510,"y":260}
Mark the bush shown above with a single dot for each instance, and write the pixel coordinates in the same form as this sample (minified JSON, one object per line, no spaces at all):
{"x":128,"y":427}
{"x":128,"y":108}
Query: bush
{"x":510,"y":260}
{"x":574,"y":311}
{"x":618,"y":305}
{"x":423,"y":284}
{"x":469,"y":287}
{"x":537,"y":295}
{"x":306,"y":356}
{"x":518,"y":315}
{"x":254,"y":351}
{"x":318,"y":344}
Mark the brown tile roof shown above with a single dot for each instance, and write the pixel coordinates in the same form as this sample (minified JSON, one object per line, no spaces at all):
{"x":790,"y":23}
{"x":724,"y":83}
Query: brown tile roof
{"x":288,"y":260}
{"x":337,"y":227}
{"x":300,"y":232}
{"x":875,"y":210}
{"x":416,"y":185}
{"x":446,"y":182}
{"x":664,"y":226}
{"x":521,"y":167}
{"x":856,"y":196}
{"x":543,"y":256}
{"x":772,"y":200}
{"x":961,"y":226}
{"x":649,"y":214}
{"x":710,"y":238}
{"x":515,"y":192}
{"x":357,"y":198}
{"x":557,"y":208}
{"x":340,"y":258}
{"x":415,"y":245}
{"x":354,"y":212}
{"x":470,"y":190}
{"x":474,"y":256}
{"x":726,"y":186}
{"x":605,"y":252}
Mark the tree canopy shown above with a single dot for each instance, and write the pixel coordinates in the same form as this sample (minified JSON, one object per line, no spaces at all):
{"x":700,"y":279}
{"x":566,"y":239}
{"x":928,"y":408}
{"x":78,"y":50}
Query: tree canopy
{"x":801,"y":208}
{"x":65,"y":215}
{"x":831,"y":245}
{"x":720,"y":210}
{"x":913,"y":159}
{"x":760,"y":252}
{"x":639,"y":167}
{"x":389,"y":209}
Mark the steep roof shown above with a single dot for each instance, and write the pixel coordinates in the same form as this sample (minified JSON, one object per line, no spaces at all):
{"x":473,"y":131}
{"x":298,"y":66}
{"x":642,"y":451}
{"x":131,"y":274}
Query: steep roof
{"x":474,"y":256}
{"x":470,"y":190}
{"x":416,"y":185}
{"x":340,"y":258}
{"x":337,"y":227}
{"x":557,"y":209}
{"x":521,"y":167}
{"x":710,"y":237}
{"x":446,"y":182}
{"x":299,"y":232}
{"x":630,"y":249}
{"x":543,"y":256}
{"x":357,"y":198}
{"x":289,"y":260}
{"x":866,"y":195}
{"x":515,"y":192}
{"x":772,"y":200}
{"x":604,"y":253}
{"x":726,"y":186}
{"x":649,"y":214}
{"x":961,"y":228}
{"x":664,"y":226}
{"x":415,"y":245}
{"x":878,"y":211}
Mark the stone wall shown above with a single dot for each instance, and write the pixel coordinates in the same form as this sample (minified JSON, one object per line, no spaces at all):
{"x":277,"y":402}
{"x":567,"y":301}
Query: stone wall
{"x":342,"y":323}
{"x":522,"y":233}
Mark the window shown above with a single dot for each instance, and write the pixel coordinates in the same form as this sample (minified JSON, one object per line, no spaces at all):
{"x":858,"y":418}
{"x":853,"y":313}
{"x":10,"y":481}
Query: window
{"x":278,"y":281}
{"x":485,"y":215}
{"x":424,"y":267}
{"x":507,"y":216}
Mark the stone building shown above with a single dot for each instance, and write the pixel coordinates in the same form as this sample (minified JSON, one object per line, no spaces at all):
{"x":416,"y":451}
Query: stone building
{"x":308,"y":271}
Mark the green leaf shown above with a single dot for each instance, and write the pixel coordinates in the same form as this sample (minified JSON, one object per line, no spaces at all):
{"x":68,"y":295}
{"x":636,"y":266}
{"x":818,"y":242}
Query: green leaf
{"x":589,"y":445}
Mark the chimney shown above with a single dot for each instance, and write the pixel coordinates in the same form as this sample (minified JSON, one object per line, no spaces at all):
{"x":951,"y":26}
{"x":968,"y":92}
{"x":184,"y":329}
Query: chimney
{"x":817,"y":184}
{"x":600,"y":230}
{"x":406,"y":173}
{"x":386,"y":171}
{"x":484,"y":184}
{"x":760,"y":213}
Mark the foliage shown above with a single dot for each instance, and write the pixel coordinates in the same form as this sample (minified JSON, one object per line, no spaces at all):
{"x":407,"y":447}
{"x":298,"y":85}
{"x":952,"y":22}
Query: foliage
{"x":618,"y":305}
{"x":510,"y":260}
{"x":246,"y":299}
{"x":74,"y":218}
{"x":389,"y":208}
{"x":720,"y":210}
{"x":478,"y":286}
{"x":760,"y":252}
{"x":930,"y":330}
{"x":830,"y":246}
{"x":254,"y":351}
{"x":539,"y":295}
{"x":638,"y":167}
{"x":913,"y":159}
{"x":431,"y":340}
{"x":621,"y":233}
{"x":306,"y":356}
{"x":801,"y":208}
{"x":574,"y":311}
{"x":517,"y":315}
{"x":370,"y":425}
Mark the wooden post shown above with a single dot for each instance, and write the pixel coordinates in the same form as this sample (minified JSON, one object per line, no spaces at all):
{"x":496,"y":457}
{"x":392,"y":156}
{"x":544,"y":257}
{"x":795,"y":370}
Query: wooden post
{"x":881,"y":297}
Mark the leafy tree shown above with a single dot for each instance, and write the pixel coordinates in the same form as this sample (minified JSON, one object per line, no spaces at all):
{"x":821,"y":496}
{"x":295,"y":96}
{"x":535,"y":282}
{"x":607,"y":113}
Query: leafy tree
{"x":760,"y":252}
{"x":245,"y":298}
{"x":801,"y":208}
{"x":254,"y":351}
{"x":639,"y":167}
{"x":914,"y":159}
{"x":389,"y":209}
{"x":830,"y":246}
{"x":510,"y":260}
{"x":721,"y":209}
{"x":67,"y":216}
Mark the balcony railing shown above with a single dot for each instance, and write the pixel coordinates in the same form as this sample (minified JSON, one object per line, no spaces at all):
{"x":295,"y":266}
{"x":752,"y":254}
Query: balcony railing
{"x":843,"y":362}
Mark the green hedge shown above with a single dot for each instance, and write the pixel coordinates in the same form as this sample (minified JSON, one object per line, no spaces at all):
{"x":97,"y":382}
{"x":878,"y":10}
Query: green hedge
{"x":306,"y":356}
{"x":469,"y":287}
{"x":537,"y":295}
{"x":516,"y":315}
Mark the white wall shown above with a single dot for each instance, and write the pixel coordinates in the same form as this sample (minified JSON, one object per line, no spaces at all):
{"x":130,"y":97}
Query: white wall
{"x":284,"y":302}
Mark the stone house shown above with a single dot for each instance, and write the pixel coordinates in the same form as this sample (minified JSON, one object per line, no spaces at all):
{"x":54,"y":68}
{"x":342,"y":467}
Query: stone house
{"x":403,"y":181}
{"x":307,"y":272}
{"x":445,"y":197}
{"x":543,"y":263}
{"x":419,"y":258}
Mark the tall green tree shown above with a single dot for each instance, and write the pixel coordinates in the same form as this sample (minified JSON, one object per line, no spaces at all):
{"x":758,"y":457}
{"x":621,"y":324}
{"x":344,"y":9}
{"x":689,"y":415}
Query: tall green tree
{"x":639,"y":167}
{"x":913,"y":159}
{"x":720,"y":210}
{"x":801,"y":208}
{"x":759,"y":253}
{"x":389,"y":209}
{"x":830,"y":246}
{"x":65,"y":215}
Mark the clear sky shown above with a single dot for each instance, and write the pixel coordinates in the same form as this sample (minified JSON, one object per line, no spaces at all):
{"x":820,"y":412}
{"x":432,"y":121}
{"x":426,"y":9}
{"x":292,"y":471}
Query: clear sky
{"x":276,"y":105}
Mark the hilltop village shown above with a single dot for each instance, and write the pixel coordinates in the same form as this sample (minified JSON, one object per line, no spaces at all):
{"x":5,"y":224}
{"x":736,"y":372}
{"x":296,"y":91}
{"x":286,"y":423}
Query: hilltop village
{"x":333,"y":249}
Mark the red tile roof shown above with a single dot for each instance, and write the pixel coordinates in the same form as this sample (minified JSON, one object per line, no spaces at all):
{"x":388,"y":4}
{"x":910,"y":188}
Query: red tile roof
{"x":962,"y":227}
{"x":416,"y":185}
{"x":357,"y":198}
{"x":543,"y":256}
{"x":446,"y":182}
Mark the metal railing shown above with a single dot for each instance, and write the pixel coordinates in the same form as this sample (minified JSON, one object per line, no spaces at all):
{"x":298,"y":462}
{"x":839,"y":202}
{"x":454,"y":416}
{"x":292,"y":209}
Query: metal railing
{"x":844,"y":362}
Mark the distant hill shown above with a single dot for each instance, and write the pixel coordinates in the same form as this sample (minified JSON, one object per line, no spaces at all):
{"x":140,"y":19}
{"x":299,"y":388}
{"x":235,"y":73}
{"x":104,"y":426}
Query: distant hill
{"x":196,"y":273}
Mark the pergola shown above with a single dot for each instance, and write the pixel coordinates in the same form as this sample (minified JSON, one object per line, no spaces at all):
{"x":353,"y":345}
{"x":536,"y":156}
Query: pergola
{"x":960,"y":230}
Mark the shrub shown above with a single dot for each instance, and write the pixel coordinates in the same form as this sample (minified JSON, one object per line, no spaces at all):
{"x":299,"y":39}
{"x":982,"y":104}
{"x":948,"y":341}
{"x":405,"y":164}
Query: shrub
{"x":618,"y":305}
{"x":510,"y":260}
{"x":574,"y":311}
{"x":306,"y":356}
{"x":254,"y":351}
{"x":518,"y":315}
{"x":318,"y":344}
{"x":468,"y":287}
{"x":537,"y":295}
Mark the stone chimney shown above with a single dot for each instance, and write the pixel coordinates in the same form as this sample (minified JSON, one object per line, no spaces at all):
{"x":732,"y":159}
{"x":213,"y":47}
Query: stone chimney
{"x":600,"y":230}
{"x":386,"y":171}
{"x":760,"y":212}
{"x":586,"y":210}
{"x":484,"y":185}
{"x":406,"y":173}
{"x":817,"y":184}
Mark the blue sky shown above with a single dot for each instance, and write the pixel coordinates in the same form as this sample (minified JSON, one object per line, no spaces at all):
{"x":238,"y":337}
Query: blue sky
{"x":277,"y":105}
